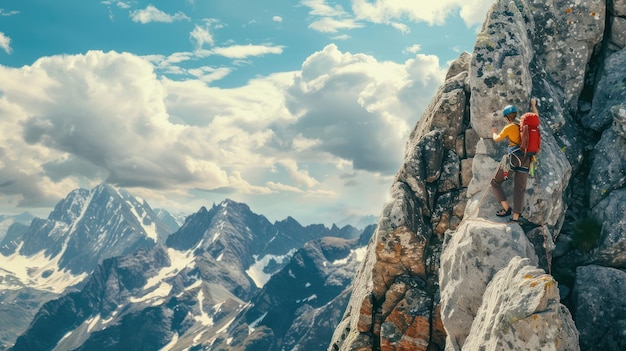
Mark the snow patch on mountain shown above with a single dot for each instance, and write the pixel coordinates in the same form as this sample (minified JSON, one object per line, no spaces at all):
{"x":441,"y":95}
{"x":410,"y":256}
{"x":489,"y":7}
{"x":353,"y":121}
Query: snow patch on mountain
{"x":359,"y":253}
{"x":254,"y":324}
{"x":257,"y":270}
{"x":156,"y":296}
{"x":156,"y":289}
{"x":171,"y":344}
{"x":204,"y":317}
{"x":150,"y":230}
{"x":81,"y":201}
{"x":310,"y":298}
{"x":36,"y":271}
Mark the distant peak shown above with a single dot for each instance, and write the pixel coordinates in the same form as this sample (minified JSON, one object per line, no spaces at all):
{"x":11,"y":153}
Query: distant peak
{"x":104,"y":186}
{"x":226,"y":202}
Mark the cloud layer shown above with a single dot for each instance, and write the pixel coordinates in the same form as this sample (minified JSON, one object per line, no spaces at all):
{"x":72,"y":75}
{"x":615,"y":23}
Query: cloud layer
{"x":327,"y":131}
{"x":77,"y":120}
{"x":331,"y":18}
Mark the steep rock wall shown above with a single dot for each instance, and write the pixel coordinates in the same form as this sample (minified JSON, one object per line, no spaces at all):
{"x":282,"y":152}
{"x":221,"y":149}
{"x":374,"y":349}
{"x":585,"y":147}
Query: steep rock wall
{"x":432,"y":279}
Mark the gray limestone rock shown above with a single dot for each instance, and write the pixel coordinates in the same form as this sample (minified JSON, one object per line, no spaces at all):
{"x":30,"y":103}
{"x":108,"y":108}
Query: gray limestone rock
{"x":600,"y":295}
{"x":521,"y":311}
{"x":450,"y":178}
{"x":618,"y":7}
{"x":470,"y":259}
{"x":608,"y":170}
{"x":611,"y":91}
{"x":611,"y":247}
{"x":619,"y":119}
{"x":522,"y":43}
{"x":471,"y":139}
{"x":618,"y":33}
{"x":499,"y":71}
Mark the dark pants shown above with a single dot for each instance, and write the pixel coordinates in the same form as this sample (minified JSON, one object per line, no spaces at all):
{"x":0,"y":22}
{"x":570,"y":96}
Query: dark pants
{"x":519,"y":170}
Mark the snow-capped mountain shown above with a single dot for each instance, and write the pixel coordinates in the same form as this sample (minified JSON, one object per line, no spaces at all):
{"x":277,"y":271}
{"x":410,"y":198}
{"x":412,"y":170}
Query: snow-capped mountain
{"x":89,"y":225}
{"x":45,"y":259}
{"x":183,"y":294}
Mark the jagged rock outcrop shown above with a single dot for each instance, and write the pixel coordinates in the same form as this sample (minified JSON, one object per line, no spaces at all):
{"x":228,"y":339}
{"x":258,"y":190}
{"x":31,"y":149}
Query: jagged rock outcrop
{"x":54,"y":256}
{"x":441,"y":265}
{"x":520,"y":311}
{"x":395,"y":297}
{"x":106,"y":289}
{"x":89,"y":226}
{"x":475,"y":253}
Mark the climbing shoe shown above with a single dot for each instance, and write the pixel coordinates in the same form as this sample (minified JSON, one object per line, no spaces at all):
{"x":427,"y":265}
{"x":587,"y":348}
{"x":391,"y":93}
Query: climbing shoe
{"x":504,"y":213}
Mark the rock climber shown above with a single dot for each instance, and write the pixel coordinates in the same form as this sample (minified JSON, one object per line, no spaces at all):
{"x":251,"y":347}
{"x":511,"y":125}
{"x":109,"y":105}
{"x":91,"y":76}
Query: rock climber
{"x":516,"y":161}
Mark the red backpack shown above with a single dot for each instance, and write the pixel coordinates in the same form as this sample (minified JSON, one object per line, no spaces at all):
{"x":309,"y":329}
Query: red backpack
{"x":529,"y":132}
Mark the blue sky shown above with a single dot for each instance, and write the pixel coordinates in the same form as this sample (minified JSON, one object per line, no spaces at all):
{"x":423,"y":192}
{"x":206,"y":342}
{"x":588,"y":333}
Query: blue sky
{"x":298,"y":108}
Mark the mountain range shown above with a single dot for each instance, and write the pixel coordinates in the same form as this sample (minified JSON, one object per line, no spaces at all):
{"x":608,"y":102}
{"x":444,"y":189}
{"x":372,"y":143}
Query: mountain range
{"x":104,"y":262}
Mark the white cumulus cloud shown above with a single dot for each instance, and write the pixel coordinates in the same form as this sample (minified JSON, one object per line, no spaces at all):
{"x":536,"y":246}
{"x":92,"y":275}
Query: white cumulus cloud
{"x":243,"y":51}
{"x":201,"y":35}
{"x":432,"y":12}
{"x":329,"y":18}
{"x":152,"y":14}
{"x":5,"y":43}
{"x":77,"y":120}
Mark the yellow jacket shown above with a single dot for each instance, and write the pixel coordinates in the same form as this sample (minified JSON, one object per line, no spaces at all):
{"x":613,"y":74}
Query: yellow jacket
{"x":511,"y":131}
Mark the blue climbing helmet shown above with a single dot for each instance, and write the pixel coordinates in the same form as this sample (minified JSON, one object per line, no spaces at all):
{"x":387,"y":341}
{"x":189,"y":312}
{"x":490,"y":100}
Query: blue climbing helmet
{"x":508,"y":109}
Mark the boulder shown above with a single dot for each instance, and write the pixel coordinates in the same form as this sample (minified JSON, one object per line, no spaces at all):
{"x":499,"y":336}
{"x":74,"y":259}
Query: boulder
{"x":471,"y":257}
{"x":521,"y":311}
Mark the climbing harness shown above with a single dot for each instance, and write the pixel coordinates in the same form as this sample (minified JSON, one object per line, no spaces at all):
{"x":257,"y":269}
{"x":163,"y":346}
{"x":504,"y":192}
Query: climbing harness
{"x":506,"y":167}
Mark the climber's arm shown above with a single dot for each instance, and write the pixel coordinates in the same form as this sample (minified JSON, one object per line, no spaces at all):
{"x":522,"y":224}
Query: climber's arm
{"x":533,"y":106}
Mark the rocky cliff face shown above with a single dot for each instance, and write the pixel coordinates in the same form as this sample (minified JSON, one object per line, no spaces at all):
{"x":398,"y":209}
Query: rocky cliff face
{"x":442,"y":271}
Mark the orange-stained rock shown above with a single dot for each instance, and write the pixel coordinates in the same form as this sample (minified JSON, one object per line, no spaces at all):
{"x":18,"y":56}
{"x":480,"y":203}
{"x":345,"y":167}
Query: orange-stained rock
{"x":383,"y":275}
{"x":416,"y":336}
{"x":393,"y":296}
{"x":407,"y":327}
{"x":398,"y":252}
{"x":365,"y":316}
{"x":443,"y":224}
